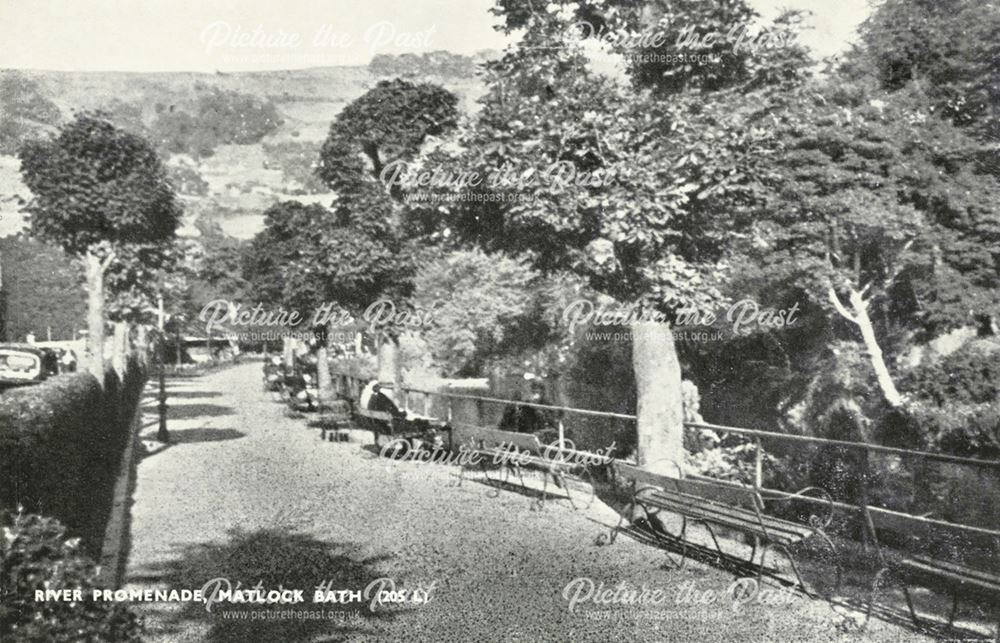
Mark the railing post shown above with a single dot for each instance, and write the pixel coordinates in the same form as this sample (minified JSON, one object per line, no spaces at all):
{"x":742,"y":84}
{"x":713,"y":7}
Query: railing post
{"x":758,"y":466}
{"x":864,"y":505}
{"x":562,"y":434}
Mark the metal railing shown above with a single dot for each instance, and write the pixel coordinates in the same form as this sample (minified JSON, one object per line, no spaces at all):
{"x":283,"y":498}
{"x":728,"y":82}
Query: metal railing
{"x":352,"y":386}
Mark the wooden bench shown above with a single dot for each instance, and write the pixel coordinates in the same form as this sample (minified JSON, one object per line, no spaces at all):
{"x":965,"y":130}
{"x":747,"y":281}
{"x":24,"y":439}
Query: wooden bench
{"x":728,"y":505}
{"x":384,"y":424}
{"x":959,"y":579}
{"x":511,"y":452}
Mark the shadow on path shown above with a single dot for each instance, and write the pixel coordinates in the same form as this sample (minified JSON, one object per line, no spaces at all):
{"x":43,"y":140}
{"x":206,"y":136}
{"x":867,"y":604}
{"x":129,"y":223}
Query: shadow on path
{"x":191,"y":411}
{"x":275,"y":558}
{"x":189,"y":436}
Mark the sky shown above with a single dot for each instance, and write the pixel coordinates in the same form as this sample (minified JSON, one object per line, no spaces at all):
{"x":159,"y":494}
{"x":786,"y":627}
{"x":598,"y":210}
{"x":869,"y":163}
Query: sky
{"x":248,"y":35}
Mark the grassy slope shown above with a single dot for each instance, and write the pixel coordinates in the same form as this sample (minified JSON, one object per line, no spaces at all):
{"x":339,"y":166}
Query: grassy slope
{"x":241,"y":187}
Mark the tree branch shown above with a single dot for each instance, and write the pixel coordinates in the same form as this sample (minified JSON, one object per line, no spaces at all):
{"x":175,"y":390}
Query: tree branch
{"x":835,"y":300}
{"x":107,"y":260}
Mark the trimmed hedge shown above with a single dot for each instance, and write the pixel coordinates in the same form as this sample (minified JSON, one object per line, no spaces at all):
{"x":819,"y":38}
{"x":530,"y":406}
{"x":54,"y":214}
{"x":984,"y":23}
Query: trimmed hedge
{"x":60,"y":446}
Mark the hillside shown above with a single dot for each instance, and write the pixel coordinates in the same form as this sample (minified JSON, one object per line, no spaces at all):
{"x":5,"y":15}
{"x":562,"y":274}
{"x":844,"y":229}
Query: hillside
{"x":236,"y":182}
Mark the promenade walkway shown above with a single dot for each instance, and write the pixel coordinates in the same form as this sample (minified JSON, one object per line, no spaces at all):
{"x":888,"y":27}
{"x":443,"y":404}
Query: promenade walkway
{"x":246,"y":493}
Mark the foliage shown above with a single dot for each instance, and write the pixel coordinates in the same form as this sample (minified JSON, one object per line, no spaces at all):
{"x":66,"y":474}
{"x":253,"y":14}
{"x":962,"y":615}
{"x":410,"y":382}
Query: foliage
{"x":37,"y":556}
{"x":63,"y":434}
{"x":962,"y":428}
{"x":970,"y":375}
{"x":948,"y":49}
{"x":97,"y":185}
{"x":474,"y":300}
{"x":387,"y":124}
{"x":216,"y":117}
{"x":658,"y":190}
{"x":186,"y":180}
{"x":298,"y":161}
{"x":305,"y":257}
{"x":42,"y":290}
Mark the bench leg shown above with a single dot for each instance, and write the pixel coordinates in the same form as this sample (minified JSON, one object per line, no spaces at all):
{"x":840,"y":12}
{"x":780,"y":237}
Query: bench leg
{"x":495,"y":489}
{"x":873,"y":595}
{"x":629,"y":508}
{"x":561,"y":480}
{"x":791,"y":560}
{"x":838,"y":568}
{"x":909,"y":603}
{"x":954,"y":610}
{"x":540,"y":503}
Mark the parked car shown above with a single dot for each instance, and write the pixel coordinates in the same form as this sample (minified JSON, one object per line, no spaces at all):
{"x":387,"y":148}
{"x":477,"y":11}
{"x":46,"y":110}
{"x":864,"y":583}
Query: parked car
{"x":24,"y":364}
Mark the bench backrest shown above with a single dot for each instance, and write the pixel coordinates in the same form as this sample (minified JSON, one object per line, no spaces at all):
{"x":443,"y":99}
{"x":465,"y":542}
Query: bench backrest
{"x":489,"y":438}
{"x":714,"y":490}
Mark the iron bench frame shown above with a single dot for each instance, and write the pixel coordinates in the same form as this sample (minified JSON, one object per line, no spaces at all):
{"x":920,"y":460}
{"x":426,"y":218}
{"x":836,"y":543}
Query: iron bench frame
{"x":653,"y":493}
{"x":918,"y":570}
{"x":517,"y":451}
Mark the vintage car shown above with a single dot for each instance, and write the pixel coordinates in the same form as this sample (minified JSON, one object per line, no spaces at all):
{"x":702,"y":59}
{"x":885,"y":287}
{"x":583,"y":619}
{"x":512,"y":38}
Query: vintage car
{"x":22,"y":364}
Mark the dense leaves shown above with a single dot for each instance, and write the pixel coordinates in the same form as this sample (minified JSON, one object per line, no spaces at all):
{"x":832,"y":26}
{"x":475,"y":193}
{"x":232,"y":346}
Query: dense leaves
{"x":94,"y":184}
{"x":216,"y":117}
{"x":37,"y":555}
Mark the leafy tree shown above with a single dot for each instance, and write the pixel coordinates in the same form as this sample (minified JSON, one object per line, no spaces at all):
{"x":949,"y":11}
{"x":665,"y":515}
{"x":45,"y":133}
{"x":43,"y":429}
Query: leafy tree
{"x":880,"y":210}
{"x":216,"y":117}
{"x":474,"y":302}
{"x":948,"y":49}
{"x":652,"y":193}
{"x":388,"y":124}
{"x":102,"y":195}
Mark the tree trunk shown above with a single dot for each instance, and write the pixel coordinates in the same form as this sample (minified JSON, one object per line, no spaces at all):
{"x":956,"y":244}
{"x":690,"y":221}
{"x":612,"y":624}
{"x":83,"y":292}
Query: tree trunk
{"x":94,"y":359}
{"x":660,"y":406}
{"x":119,"y":349}
{"x":864,"y":322}
{"x":389,"y":368}
{"x":288,"y":352}
{"x":142,"y":345}
{"x":324,"y":383}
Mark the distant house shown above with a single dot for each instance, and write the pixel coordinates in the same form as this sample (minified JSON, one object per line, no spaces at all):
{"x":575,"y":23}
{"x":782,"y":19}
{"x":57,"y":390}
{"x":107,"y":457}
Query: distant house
{"x":41,"y":292}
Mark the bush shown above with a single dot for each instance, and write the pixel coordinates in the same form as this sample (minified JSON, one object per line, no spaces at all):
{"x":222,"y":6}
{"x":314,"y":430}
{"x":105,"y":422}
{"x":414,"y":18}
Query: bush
{"x":962,"y":429}
{"x":60,"y":446}
{"x":36,"y":555}
{"x":969,"y":375}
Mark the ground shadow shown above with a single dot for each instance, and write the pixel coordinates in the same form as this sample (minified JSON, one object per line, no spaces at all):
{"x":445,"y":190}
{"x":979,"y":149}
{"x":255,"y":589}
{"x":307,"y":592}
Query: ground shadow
{"x":190,"y":411}
{"x":189,"y":436}
{"x":276,"y":558}
{"x":189,"y":394}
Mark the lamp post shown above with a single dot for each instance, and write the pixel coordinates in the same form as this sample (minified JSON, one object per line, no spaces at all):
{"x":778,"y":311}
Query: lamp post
{"x":161,"y":434}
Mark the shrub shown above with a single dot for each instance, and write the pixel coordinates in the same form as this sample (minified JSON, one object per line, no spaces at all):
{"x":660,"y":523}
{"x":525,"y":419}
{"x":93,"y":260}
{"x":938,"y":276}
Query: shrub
{"x":37,"y":555}
{"x":969,"y":375}
{"x":962,"y":429}
{"x":60,"y":446}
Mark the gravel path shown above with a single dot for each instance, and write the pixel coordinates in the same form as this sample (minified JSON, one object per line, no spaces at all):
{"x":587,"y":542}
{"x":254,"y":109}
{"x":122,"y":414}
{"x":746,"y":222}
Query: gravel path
{"x":248,"y":494}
